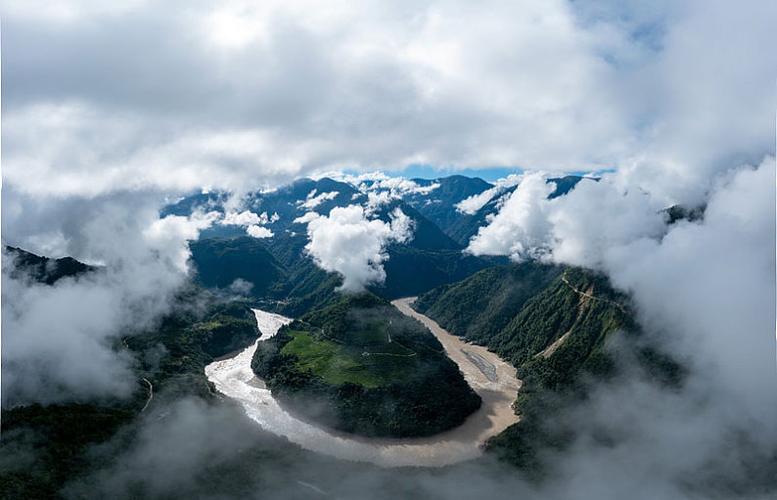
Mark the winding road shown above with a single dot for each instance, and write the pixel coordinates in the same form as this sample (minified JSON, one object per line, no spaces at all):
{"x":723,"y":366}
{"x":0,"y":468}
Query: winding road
{"x":590,"y":294}
{"x":492,"y":378}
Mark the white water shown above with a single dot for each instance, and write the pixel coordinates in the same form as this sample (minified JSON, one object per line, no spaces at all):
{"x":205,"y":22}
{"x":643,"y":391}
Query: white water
{"x":234,"y":378}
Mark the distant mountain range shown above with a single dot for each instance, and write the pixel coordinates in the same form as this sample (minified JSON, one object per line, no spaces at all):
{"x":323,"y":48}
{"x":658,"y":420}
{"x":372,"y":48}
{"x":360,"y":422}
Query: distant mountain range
{"x":371,"y":370}
{"x":279,"y":269}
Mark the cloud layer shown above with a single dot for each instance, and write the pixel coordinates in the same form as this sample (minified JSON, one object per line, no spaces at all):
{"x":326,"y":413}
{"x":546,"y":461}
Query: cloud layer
{"x":576,"y":229}
{"x":60,"y":342}
{"x":103,"y":102}
{"x":235,"y":93}
{"x":704,"y":292}
{"x":350,"y":243}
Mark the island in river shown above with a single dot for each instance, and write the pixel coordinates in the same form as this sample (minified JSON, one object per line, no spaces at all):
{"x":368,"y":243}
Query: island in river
{"x":362,"y":367}
{"x":234,"y":378}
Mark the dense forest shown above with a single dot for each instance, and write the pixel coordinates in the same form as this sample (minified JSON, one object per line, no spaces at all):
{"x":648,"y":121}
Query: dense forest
{"x":286,"y":279}
{"x":170,"y":364}
{"x":353,"y":363}
{"x":554,"y":324}
{"x":360,"y":366}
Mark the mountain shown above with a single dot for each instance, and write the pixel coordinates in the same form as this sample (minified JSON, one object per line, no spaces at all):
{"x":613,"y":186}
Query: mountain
{"x":566,"y":184}
{"x":351,"y":362}
{"x":545,"y":319}
{"x":281,"y":272}
{"x":63,"y":438}
{"x":358,"y":365}
{"x":410,"y":271}
{"x":426,"y":234}
{"x":557,"y":326}
{"x":464,"y":226}
{"x":480,"y":307}
{"x":285,"y":277}
{"x":278,"y":270}
{"x":439,"y":205}
{"x":221,"y":261}
{"x":433,"y":205}
{"x":44,"y":269}
{"x":297,"y":198}
{"x":677,"y":213}
{"x":212,"y":200}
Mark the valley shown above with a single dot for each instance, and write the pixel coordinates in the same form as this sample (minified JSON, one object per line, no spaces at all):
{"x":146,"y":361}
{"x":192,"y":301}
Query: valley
{"x":438,"y":250}
{"x":233,"y":377}
{"x":465,"y":372}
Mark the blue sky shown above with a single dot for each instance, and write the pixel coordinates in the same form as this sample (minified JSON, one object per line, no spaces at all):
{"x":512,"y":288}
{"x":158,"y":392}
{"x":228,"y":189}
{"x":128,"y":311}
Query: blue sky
{"x":488,"y":173}
{"x":432,"y":172}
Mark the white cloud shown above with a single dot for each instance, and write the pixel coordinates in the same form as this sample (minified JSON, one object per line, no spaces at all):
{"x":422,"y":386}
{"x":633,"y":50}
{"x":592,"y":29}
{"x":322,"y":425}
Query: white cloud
{"x":520,"y":229}
{"x":397,"y":186}
{"x":671,"y":94}
{"x":377,"y":199}
{"x":251,"y":221}
{"x":349,"y":243}
{"x":475,"y":202}
{"x":597,"y":216}
{"x":172,"y":234}
{"x":309,"y":216}
{"x":259,"y":232}
{"x":704,"y":292}
{"x":402,"y":226}
{"x":714,"y":282}
{"x":241,"y":287}
{"x":244,"y":218}
{"x":576,"y":229}
{"x":381,"y":87}
{"x":313,"y":200}
{"x":380,"y":188}
{"x":247,"y":218}
{"x":59,"y":341}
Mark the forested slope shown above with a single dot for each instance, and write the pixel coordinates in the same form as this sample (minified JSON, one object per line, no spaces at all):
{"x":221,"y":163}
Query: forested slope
{"x":553,"y":324}
{"x":170,"y":361}
{"x":360,"y":366}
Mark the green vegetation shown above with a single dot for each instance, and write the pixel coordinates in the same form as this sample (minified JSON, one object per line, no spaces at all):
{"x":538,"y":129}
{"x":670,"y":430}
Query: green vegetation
{"x":520,"y":311}
{"x":220,"y":261}
{"x":359,"y":365}
{"x":553,"y":324}
{"x":52,"y":444}
{"x":48,"y":443}
{"x":479,"y":307}
{"x":403,"y":278}
{"x":287,"y":280}
{"x":353,"y":363}
{"x":328,"y":360}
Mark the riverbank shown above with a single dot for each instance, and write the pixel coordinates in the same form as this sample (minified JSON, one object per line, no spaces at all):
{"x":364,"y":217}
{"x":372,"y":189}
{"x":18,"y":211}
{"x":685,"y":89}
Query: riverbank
{"x":234,"y":378}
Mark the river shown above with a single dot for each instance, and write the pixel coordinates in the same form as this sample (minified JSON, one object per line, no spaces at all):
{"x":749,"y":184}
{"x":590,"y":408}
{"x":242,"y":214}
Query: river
{"x":492,"y":378}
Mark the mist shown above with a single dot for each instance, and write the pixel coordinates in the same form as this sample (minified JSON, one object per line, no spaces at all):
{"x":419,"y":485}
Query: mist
{"x":111,"y":110}
{"x":61,"y":341}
